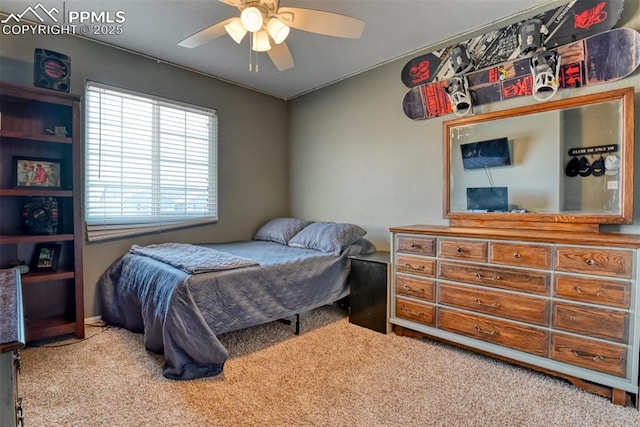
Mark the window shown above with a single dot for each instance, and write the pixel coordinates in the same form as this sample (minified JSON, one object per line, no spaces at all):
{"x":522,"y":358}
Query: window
{"x":150,"y":163}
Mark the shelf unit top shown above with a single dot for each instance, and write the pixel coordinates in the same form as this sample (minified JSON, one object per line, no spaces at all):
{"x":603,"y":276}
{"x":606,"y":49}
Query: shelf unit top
{"x":37,"y":94}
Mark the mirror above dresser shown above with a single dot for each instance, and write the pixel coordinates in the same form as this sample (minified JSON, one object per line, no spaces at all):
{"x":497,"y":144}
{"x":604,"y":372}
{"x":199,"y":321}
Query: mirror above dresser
{"x":563,"y":162}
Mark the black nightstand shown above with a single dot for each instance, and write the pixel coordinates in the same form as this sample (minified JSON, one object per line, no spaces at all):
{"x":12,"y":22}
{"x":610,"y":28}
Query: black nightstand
{"x":369,"y":278}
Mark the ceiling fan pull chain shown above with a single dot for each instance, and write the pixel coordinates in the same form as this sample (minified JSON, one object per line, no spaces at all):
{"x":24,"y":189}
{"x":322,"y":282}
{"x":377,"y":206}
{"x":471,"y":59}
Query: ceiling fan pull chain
{"x":253,"y":56}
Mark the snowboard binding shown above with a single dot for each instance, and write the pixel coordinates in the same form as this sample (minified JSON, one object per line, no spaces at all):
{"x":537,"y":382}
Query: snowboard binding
{"x":461,"y":61}
{"x":458,"y":91}
{"x":544,"y":65}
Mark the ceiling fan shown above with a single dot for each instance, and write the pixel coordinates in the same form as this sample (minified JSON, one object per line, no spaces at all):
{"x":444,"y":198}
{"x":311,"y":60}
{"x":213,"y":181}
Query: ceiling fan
{"x":269,"y":25}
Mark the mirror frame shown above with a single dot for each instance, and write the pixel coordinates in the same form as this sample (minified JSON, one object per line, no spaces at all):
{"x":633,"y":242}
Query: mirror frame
{"x":625,"y":216}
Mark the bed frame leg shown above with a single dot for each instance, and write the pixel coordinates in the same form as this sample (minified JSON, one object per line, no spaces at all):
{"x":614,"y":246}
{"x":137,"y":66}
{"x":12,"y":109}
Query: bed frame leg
{"x":288,"y":322}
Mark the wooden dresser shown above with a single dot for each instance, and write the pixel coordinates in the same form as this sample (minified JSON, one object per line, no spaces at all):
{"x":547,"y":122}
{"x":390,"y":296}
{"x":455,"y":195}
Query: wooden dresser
{"x":562,"y":302}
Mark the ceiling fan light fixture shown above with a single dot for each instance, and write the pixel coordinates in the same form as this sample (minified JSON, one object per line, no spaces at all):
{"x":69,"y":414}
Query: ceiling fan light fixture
{"x":251,"y":18}
{"x":261,"y":41}
{"x":277,"y":30}
{"x":236,"y":30}
{"x":270,"y":26}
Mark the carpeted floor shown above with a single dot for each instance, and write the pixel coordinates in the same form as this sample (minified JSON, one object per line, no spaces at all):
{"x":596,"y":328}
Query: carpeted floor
{"x":333,"y":374}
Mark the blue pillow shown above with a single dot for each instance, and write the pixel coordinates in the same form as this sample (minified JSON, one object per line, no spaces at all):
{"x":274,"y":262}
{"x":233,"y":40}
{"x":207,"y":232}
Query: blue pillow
{"x":330,"y":237}
{"x":280,"y":230}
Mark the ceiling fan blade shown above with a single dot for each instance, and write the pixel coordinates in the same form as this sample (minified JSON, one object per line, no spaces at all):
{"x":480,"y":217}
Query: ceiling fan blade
{"x":321,"y":22}
{"x":281,"y":56}
{"x":206,"y":35}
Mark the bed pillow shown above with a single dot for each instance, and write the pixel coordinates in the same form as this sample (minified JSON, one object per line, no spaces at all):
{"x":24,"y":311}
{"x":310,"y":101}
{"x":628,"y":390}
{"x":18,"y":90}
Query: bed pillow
{"x":280,"y":230}
{"x":331,"y":237}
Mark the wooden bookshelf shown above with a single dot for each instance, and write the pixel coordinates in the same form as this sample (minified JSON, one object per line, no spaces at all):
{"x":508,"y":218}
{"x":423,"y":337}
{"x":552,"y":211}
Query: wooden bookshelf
{"x":53,"y":300}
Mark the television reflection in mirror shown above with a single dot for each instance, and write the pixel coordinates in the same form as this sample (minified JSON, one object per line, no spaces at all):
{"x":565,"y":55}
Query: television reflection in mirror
{"x":486,"y":154}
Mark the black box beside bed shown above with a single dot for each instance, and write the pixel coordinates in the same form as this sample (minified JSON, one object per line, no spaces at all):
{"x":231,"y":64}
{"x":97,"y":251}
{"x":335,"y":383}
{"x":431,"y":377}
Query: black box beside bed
{"x":182,"y":296}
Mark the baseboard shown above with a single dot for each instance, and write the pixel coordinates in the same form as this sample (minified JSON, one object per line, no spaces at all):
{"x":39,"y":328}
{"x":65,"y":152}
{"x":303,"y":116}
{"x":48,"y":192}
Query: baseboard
{"x":92,"y":320}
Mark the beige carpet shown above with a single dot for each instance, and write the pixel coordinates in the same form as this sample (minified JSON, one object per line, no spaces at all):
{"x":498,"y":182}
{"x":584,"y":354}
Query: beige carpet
{"x":333,"y":374}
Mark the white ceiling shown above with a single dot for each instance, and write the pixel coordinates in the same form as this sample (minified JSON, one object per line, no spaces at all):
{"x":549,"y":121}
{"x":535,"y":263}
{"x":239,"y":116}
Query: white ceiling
{"x":394,"y":29}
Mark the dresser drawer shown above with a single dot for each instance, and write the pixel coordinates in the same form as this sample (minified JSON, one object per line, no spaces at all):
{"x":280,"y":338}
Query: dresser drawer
{"x":502,"y":304}
{"x":593,"y":290}
{"x":475,"y":250}
{"x":521,"y":255}
{"x":416,"y":245}
{"x":603,"y":357}
{"x":416,"y":265}
{"x":591,"y":321}
{"x":533,"y":282}
{"x":502,"y":332}
{"x":416,"y":288}
{"x":606,"y":262}
{"x":410,"y":310}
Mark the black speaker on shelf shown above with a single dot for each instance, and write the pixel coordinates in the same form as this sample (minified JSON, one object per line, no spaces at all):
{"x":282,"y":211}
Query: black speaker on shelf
{"x":52,"y":70}
{"x":40,"y":215}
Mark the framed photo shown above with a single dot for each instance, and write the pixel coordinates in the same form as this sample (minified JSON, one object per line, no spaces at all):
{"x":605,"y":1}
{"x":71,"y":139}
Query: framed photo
{"x":36,"y":173}
{"x":45,"y":257}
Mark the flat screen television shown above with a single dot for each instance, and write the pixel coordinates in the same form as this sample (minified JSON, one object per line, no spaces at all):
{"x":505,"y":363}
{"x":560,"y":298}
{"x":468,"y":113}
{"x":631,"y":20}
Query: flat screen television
{"x":486,"y":154}
{"x":489,"y":199}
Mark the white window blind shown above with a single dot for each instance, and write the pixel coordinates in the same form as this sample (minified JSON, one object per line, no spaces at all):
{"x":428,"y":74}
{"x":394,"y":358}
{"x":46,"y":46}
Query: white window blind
{"x":150,"y":163}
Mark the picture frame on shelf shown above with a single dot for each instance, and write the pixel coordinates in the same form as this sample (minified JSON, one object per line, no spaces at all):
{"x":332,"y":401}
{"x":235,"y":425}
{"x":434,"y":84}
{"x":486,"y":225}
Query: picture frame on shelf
{"x":33,"y":172}
{"x":45,"y":257}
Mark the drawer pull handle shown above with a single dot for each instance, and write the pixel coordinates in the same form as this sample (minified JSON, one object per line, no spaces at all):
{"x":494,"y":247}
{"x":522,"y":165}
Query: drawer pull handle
{"x":587,"y":355}
{"x":17,"y":360}
{"x":480,"y":330}
{"x":409,"y":289}
{"x":516,"y":255}
{"x":495,"y":277}
{"x":484,"y":304}
{"x":600,"y":293}
{"x":590,"y":261}
{"x":459,"y":249}
{"x":411,"y":267}
{"x":416,"y":246}
{"x":19,"y":412}
{"x":408,"y":311}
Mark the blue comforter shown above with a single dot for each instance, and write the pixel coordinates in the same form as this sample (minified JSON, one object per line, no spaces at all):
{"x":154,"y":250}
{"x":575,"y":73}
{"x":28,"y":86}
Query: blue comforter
{"x":181,"y":314}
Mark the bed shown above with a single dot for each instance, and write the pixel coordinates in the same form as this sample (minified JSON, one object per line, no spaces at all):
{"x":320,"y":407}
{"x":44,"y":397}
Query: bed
{"x":181,"y":296}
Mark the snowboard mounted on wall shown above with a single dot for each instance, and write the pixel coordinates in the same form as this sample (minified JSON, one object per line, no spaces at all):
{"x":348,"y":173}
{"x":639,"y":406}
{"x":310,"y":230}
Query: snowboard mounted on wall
{"x":602,"y":58}
{"x":573,"y":21}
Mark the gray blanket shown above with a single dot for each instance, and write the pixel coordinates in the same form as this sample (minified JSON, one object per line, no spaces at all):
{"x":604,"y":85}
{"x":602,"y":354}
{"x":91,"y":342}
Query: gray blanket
{"x":193,"y":259}
{"x":182,"y":314}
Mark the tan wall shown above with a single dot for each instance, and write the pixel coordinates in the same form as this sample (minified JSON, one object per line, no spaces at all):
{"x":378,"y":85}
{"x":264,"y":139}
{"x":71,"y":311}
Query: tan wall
{"x":356,"y":157}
